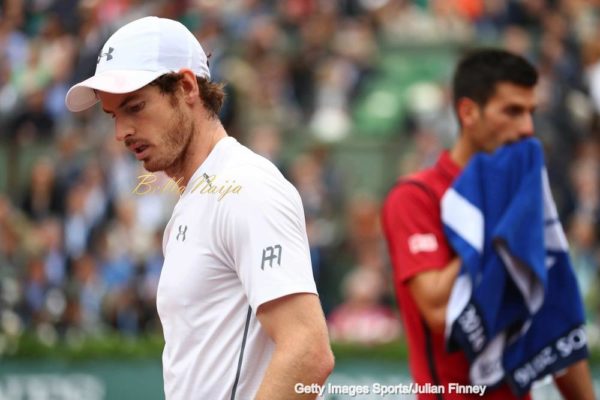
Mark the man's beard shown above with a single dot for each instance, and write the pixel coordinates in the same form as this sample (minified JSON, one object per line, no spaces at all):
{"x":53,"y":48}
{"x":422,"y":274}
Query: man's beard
{"x":173,"y":146}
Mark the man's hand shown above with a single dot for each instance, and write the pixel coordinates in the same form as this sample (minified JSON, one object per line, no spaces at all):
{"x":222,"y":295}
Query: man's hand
{"x":302,"y":352}
{"x":431,"y":292}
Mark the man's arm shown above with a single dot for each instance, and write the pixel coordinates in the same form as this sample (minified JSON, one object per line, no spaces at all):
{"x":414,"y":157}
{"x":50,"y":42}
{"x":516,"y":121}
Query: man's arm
{"x":431,"y":292}
{"x":576,"y":382}
{"x":302,"y":352}
{"x":406,"y":216}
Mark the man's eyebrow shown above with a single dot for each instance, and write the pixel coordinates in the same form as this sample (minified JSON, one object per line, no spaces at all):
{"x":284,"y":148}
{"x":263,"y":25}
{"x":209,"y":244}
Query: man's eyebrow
{"x":124,"y":102}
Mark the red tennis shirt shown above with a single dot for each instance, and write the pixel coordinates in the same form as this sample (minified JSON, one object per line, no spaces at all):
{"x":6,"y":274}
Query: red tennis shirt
{"x":413,"y":228}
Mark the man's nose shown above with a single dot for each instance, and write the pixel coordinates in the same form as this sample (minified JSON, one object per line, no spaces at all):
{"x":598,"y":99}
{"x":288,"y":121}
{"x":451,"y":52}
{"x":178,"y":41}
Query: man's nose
{"x":122,"y":129}
{"x":526,"y":128}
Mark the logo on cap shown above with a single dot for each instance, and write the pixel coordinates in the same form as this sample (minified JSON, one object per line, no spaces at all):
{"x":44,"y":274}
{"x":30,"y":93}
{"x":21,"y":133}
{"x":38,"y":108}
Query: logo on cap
{"x":108,"y":55}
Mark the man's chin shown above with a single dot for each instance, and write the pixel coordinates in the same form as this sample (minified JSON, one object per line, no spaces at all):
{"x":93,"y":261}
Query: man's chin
{"x":153,"y":166}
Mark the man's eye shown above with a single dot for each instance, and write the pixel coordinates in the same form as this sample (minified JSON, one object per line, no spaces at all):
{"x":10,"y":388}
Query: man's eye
{"x":514,"y":111}
{"x":137,"y":107}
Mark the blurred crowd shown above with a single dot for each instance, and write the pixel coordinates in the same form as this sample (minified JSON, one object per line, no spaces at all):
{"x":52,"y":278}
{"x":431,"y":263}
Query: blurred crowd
{"x":80,"y":252}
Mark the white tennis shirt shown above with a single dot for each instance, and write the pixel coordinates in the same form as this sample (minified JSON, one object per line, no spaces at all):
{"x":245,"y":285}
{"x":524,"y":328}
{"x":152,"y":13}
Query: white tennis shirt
{"x":236,"y":239}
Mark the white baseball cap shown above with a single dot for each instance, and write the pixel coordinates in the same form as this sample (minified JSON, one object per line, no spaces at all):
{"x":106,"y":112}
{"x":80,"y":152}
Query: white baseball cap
{"x":137,"y":54}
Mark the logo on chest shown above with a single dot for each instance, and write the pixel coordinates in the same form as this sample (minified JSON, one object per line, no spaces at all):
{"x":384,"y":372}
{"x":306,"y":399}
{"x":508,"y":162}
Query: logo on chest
{"x":181,"y":231}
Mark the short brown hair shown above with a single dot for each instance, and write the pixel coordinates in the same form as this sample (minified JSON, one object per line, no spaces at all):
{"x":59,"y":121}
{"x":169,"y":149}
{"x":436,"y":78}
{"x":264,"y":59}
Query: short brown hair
{"x":211,"y":93}
{"x":480,"y":71}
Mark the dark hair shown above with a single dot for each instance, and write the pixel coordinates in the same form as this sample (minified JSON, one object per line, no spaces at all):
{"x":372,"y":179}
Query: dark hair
{"x":211,"y":93}
{"x":480,"y":71}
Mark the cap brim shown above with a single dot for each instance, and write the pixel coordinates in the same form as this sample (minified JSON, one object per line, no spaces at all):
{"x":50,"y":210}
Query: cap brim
{"x":82,"y":95}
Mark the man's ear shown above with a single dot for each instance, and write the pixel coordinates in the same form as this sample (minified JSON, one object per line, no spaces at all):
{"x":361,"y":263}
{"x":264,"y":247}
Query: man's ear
{"x":468,"y":111}
{"x":189,"y":86}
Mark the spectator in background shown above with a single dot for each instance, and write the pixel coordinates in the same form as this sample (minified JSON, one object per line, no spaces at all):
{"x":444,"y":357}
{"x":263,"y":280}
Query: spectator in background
{"x":96,"y":201}
{"x":591,"y":60}
{"x":265,"y":140}
{"x":147,"y":287}
{"x":585,"y":256}
{"x":88,"y":292}
{"x":43,"y":196}
{"x":362,"y":318}
{"x":54,"y":257}
{"x":77,"y":227}
{"x":36,"y":289}
{"x":32,"y":121}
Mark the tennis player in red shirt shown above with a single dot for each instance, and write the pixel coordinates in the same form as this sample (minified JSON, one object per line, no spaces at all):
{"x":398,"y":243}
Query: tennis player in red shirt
{"x":494,"y":100}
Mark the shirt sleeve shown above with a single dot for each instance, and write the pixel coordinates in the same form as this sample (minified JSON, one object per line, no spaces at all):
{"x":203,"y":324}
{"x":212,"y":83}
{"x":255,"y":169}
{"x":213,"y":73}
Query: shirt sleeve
{"x":414,"y":233}
{"x":265,"y":235}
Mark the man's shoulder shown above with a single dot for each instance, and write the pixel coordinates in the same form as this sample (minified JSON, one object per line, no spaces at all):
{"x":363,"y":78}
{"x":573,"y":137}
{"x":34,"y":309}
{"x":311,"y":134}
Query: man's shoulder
{"x":260,"y":182}
{"x":245,"y":162}
{"x":427,"y":182}
{"x":429,"y":177}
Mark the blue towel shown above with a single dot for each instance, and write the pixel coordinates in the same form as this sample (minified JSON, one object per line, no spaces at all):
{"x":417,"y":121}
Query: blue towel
{"x":515,"y":308}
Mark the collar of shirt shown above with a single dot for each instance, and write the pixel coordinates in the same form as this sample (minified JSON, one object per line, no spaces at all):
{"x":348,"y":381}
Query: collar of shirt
{"x":205,"y":167}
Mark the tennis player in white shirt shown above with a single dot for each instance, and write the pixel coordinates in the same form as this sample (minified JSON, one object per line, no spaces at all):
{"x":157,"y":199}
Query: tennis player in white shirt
{"x":237,"y":299}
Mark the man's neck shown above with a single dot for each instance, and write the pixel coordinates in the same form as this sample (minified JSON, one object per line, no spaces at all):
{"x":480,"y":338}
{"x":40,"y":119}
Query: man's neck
{"x":207,"y":134}
{"x":462,"y":151}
